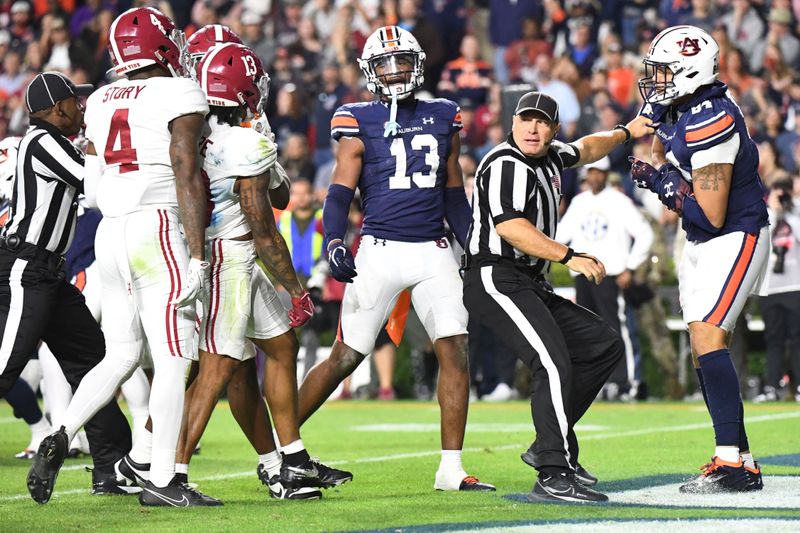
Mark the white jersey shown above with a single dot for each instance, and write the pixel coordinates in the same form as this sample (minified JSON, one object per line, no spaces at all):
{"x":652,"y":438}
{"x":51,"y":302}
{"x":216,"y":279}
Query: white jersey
{"x":128,"y":123}
{"x":231,"y":152}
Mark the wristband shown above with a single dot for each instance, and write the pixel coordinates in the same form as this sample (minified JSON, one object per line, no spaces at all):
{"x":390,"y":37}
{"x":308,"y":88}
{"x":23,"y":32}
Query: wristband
{"x":568,"y":256}
{"x":625,"y":130}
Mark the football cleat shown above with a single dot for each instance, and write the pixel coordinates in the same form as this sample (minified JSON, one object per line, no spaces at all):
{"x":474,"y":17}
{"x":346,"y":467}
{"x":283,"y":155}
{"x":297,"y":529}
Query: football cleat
{"x":754,"y":477}
{"x":720,"y":476}
{"x":473,"y":483}
{"x":44,"y":471}
{"x":583,"y":476}
{"x":313,"y":474}
{"x":176,"y":494}
{"x":279,"y":492}
{"x":446,"y":482}
{"x":107,"y":483}
{"x":563,"y":488}
{"x":127,"y":468}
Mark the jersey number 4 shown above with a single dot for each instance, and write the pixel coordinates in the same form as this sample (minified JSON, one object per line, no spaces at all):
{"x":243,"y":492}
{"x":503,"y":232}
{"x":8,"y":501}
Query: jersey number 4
{"x":425,"y":180}
{"x":126,"y":154}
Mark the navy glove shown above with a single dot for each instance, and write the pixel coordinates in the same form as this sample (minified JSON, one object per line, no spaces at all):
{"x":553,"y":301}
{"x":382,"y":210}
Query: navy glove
{"x":341,"y":261}
{"x":667,"y":182}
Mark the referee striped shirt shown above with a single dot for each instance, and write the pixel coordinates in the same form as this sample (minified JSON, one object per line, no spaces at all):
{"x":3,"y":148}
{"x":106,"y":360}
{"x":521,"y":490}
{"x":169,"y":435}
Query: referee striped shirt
{"x":49,"y":176}
{"x":508,"y":185}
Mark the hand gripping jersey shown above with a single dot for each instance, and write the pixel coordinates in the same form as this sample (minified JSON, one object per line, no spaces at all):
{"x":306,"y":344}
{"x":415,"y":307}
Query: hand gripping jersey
{"x":128,"y":123}
{"x":708,"y":129}
{"x":228,"y":153}
{"x":402,"y":177}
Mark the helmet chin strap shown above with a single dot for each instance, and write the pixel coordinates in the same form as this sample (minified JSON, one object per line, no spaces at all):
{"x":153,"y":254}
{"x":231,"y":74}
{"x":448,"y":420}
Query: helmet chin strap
{"x":392,"y":128}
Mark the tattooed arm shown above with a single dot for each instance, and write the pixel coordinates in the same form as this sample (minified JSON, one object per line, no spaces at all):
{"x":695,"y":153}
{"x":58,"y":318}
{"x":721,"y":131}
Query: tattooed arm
{"x":711,"y":185}
{"x":271,"y":248}
{"x":192,"y":199}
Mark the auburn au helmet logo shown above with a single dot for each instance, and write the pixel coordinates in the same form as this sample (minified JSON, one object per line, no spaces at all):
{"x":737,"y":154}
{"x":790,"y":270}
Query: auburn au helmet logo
{"x":689,"y":47}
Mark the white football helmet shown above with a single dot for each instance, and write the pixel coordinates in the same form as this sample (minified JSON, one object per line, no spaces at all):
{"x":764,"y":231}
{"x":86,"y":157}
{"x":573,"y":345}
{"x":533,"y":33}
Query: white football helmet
{"x":690,"y":54}
{"x":396,"y":52}
{"x":8,"y":166}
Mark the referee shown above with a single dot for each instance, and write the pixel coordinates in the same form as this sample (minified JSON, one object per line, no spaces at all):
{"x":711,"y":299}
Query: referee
{"x":37,"y":303}
{"x":570,"y":350}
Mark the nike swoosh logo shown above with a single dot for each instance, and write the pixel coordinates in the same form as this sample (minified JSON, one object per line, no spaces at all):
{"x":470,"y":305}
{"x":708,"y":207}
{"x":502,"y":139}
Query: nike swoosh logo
{"x":567,"y":491}
{"x":305,"y":473}
{"x":183,"y":502}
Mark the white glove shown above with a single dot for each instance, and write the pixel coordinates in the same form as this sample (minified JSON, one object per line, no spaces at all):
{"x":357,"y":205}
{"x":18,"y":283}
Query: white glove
{"x":195,"y":283}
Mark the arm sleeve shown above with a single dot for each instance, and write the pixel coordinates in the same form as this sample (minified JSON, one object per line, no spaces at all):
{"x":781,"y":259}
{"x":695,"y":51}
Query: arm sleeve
{"x":568,"y":153}
{"x":344,"y":124}
{"x":506,"y":188}
{"x":638,"y":228}
{"x":335,"y":211}
{"x":457,"y":212}
{"x":58,"y":159}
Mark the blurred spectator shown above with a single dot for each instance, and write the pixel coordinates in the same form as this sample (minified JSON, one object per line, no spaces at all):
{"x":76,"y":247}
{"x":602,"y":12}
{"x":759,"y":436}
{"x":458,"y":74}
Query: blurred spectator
{"x":472,"y":134}
{"x":781,"y":307}
{"x":735,"y":73}
{"x":568,"y":107}
{"x":322,"y":178}
{"x":331,"y":95}
{"x":83,"y":17}
{"x":521,"y":54}
{"x":296,"y":159}
{"x":772,"y":125}
{"x":301,"y":228}
{"x":469,"y":76}
{"x":673,"y":11}
{"x":745,"y":27}
{"x":430,"y":40}
{"x":13,"y":79}
{"x":289,"y":23}
{"x":495,"y":134}
{"x":62,"y":53}
{"x":289,"y":117}
{"x":253,"y":36}
{"x":779,"y":34}
{"x":769,"y":167}
{"x":21,"y":27}
{"x":703,"y":15}
{"x":449,"y":19}
{"x":306,"y":54}
{"x":622,"y":80}
{"x":583,"y":51}
{"x":323,"y":15}
{"x":596,"y":101}
{"x":505,"y":27}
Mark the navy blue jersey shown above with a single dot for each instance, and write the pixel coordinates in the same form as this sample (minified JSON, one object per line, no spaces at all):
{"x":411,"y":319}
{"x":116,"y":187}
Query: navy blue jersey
{"x":699,"y":132}
{"x":403,"y":177}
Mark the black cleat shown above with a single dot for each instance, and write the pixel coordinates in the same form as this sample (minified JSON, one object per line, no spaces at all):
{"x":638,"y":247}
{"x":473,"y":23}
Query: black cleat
{"x":182,"y":478}
{"x":473,"y":483}
{"x":279,"y":492}
{"x":107,"y":483}
{"x":754,"y":476}
{"x":136,"y":473}
{"x":563,"y":488}
{"x":313,"y":474}
{"x":720,"y":476}
{"x":44,"y":471}
{"x":175,"y":494}
{"x":583,"y":476}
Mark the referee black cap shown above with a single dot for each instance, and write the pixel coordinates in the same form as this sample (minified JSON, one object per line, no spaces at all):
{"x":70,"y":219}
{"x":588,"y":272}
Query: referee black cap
{"x":48,"y":88}
{"x":537,"y":101}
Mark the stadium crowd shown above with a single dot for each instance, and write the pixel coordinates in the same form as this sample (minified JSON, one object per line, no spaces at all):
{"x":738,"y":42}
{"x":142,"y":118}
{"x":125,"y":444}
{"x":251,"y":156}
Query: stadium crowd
{"x":586,"y":54}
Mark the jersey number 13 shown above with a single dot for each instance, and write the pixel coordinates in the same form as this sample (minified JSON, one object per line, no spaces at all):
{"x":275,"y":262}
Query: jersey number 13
{"x":423,"y":180}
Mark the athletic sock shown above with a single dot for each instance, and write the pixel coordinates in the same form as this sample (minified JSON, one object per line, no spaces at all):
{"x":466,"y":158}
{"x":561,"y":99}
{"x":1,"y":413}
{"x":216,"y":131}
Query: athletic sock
{"x":143,"y":448}
{"x":722,"y":389}
{"x":272,"y":462}
{"x":451,"y":463}
{"x":182,"y":468}
{"x":295,"y":454}
{"x":747,"y":459}
{"x":743,"y":442}
{"x":728,"y":454}
{"x":702,"y":383}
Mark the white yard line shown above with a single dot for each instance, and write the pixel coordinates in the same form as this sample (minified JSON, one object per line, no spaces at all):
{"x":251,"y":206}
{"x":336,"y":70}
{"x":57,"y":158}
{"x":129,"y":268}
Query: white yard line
{"x":431,"y":453}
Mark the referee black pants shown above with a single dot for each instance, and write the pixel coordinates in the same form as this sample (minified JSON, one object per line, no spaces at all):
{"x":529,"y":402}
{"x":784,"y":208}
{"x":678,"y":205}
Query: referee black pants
{"x":570,"y":351}
{"x":37,"y":303}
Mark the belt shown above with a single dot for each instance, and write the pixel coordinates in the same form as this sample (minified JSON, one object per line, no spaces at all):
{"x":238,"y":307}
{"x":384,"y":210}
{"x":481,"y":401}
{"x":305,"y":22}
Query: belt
{"x":477,"y":260}
{"x":15,"y":245}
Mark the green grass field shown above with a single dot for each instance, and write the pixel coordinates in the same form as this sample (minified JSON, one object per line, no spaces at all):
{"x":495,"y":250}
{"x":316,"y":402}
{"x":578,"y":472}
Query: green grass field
{"x":392,"y":449}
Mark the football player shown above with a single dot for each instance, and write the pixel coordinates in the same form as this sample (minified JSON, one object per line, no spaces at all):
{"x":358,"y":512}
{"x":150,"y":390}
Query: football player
{"x":402,"y":154}
{"x":705,"y":168}
{"x":144,"y":131}
{"x":243,"y":304}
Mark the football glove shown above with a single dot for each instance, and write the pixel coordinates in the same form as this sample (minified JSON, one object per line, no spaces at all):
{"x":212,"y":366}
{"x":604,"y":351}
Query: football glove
{"x":195,"y":283}
{"x":302,"y":310}
{"x":341,"y":261}
{"x":667,"y":182}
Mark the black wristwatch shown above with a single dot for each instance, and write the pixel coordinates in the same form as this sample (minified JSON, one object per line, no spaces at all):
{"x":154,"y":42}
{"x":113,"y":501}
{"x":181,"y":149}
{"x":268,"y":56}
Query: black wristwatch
{"x":567,"y":256}
{"x":626,"y":130}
